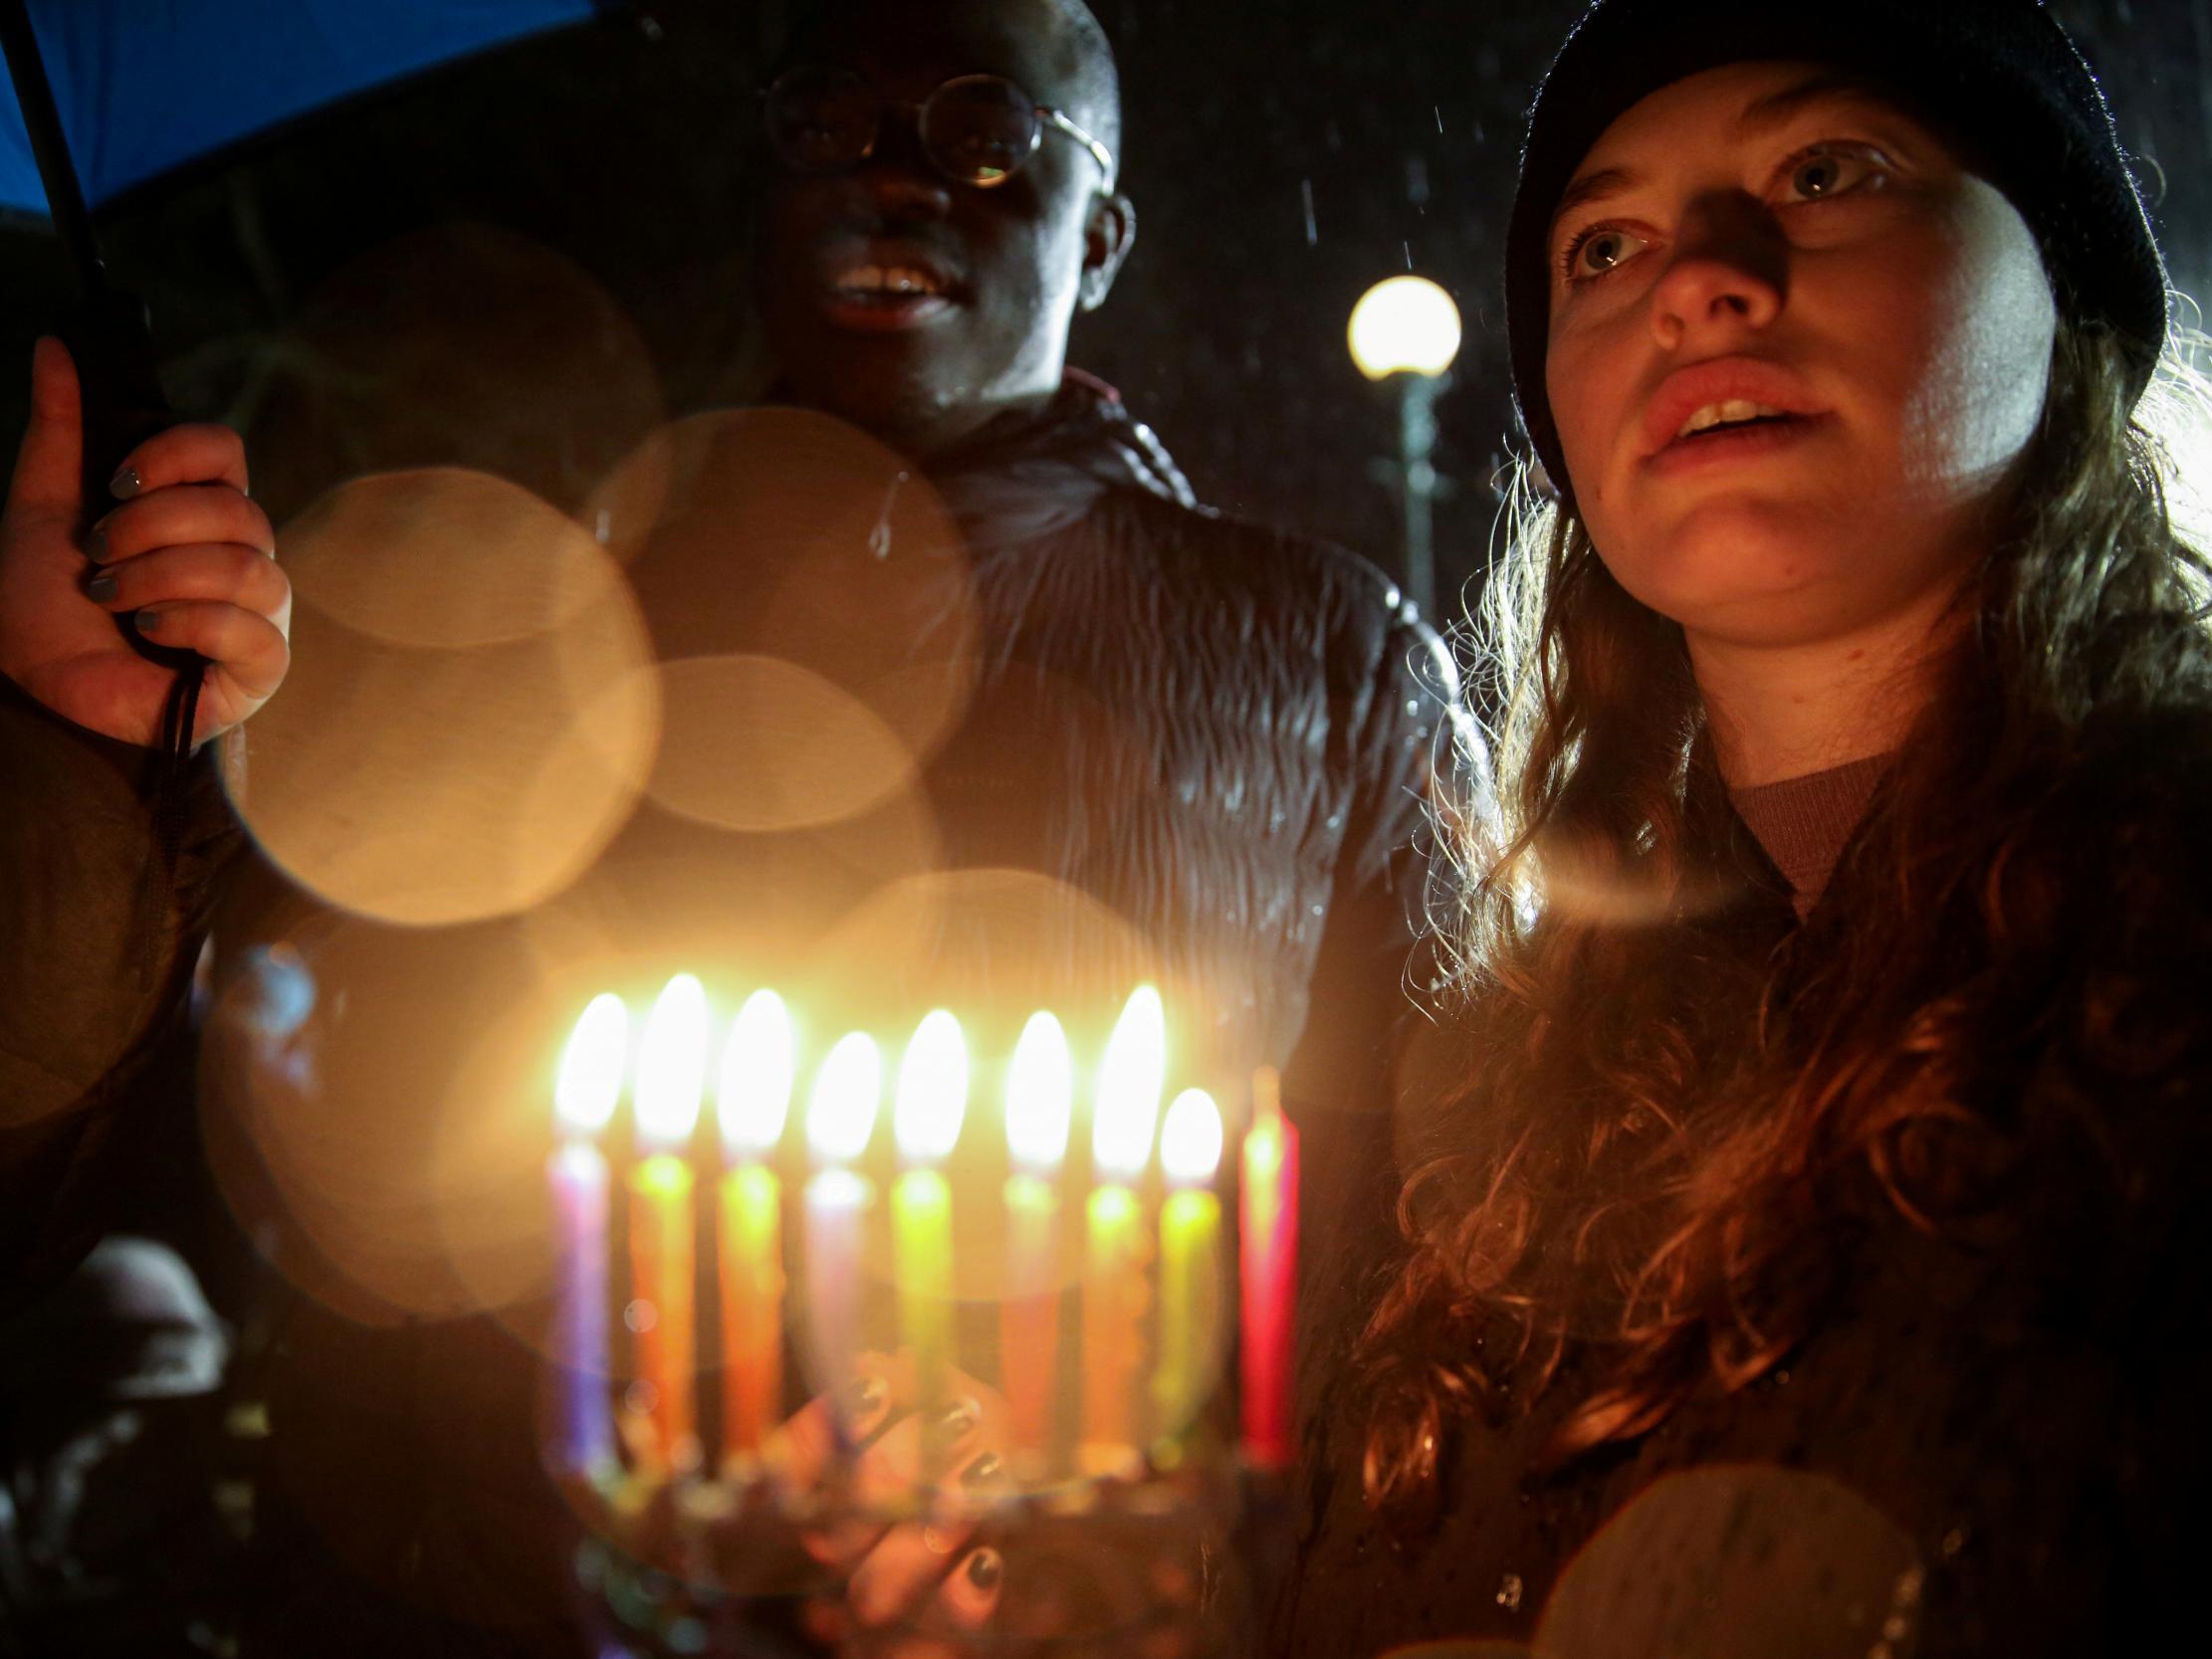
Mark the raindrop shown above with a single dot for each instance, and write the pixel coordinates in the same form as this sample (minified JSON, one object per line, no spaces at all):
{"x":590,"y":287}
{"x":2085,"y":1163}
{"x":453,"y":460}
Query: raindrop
{"x":1305,"y":196}
{"x":879,"y":538}
{"x":1438,"y":111}
{"x":1408,"y":247}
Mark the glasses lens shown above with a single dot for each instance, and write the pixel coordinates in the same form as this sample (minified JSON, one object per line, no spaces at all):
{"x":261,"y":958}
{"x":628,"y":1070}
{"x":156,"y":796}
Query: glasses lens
{"x":980,"y":128}
{"x":822,"y":120}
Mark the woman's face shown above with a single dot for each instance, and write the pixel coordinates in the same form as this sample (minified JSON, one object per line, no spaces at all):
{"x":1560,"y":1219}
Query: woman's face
{"x":1795,"y":348}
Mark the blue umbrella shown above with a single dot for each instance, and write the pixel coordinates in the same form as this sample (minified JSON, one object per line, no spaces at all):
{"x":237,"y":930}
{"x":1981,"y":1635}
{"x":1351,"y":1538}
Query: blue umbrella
{"x":139,"y":88}
{"x":104,"y":96}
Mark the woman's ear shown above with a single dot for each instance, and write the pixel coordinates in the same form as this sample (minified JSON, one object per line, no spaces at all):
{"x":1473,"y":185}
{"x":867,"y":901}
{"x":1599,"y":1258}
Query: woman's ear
{"x":1107,"y":236}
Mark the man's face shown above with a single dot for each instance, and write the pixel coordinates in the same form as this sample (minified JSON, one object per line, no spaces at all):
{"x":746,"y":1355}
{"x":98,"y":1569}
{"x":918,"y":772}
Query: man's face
{"x":1009,"y":263}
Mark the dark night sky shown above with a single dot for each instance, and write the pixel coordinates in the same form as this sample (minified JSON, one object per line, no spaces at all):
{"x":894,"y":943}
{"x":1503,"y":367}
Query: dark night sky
{"x":317,"y":292}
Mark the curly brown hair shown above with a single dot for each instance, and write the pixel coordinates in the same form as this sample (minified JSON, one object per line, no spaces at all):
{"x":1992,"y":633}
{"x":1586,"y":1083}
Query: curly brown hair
{"x":1672,"y":1099}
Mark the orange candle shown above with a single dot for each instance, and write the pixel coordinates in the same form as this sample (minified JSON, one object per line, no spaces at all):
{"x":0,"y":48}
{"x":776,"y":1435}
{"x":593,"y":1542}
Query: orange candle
{"x":671,"y":1076}
{"x":1040,"y":1091}
{"x":753,"y":1104}
{"x":1114,"y":1291}
{"x":1269,"y":1273}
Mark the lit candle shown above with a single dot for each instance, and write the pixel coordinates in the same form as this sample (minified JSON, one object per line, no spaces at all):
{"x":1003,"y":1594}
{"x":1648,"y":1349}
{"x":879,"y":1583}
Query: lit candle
{"x":671,"y":1075}
{"x":840,"y":1120}
{"x":753,"y":1103}
{"x":1190,"y":1262}
{"x":925,"y":1120}
{"x":585,"y":1095}
{"x":1041,"y":1094}
{"x":1128,"y":1109}
{"x":1269,"y":1273}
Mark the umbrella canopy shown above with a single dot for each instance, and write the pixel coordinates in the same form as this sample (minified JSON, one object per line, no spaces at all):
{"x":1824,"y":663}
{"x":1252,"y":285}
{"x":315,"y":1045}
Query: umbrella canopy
{"x":142,"y":87}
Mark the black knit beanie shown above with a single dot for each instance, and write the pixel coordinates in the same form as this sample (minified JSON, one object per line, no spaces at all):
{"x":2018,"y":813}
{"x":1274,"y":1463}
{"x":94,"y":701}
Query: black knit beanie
{"x":1997,"y":79}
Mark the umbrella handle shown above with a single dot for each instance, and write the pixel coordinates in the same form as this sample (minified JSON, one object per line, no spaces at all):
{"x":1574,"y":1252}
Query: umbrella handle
{"x":111,"y":341}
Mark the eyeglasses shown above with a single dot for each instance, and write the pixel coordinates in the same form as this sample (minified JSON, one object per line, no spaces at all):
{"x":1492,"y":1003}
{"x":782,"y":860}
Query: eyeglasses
{"x":976,"y":129}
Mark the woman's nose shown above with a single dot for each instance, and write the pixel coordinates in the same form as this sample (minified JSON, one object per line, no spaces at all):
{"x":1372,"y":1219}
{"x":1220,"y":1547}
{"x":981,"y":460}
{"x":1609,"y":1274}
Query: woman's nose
{"x":1729,"y":274}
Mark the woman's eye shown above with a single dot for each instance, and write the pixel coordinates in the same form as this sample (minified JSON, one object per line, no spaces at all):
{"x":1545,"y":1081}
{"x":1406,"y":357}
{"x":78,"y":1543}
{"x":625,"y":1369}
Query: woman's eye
{"x":1829,"y":173}
{"x":1600,"y":252}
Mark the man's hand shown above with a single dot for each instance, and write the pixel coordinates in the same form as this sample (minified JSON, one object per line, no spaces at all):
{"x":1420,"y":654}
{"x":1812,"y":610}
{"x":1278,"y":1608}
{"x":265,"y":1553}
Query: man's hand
{"x":184,"y":549}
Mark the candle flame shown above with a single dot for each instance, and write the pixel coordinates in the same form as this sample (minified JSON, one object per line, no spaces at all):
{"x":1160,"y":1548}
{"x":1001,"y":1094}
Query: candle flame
{"x":672,"y":1063}
{"x":933,"y":1089}
{"x":842,"y":1112}
{"x":1191,"y":1138}
{"x":758,"y":1065}
{"x":590,"y":1077}
{"x":1040,"y":1095}
{"x":1129,"y":1080}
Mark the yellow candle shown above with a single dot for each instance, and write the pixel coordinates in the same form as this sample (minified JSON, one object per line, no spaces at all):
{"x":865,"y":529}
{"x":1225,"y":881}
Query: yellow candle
{"x":671,"y":1076}
{"x":1040,"y":1091}
{"x":926,"y":1120}
{"x":753,"y":1103}
{"x":1114,"y":1292}
{"x":1190,"y":1264}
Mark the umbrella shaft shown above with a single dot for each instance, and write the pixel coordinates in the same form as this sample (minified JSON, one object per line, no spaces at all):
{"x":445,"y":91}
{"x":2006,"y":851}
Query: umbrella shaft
{"x":65,"y":200}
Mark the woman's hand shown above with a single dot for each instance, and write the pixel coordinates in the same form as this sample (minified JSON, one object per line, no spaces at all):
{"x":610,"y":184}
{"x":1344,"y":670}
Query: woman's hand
{"x":916,"y":1578}
{"x":184,"y":549}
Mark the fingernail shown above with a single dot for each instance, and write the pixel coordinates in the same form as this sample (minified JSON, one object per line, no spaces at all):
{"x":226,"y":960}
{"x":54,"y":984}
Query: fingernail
{"x":985,"y":1569}
{"x":983,"y":1471}
{"x":864,"y":1396}
{"x":124,"y":483}
{"x":959,"y":1417}
{"x":96,"y":544}
{"x":101,"y":587}
{"x":148,"y":621}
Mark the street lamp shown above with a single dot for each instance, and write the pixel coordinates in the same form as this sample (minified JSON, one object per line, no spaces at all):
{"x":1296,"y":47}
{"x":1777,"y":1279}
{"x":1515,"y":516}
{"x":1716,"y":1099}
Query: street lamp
{"x":1406,"y":329}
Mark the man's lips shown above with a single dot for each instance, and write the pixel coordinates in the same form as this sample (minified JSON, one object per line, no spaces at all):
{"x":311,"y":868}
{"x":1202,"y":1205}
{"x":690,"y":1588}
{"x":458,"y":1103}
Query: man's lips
{"x":1736,"y":389}
{"x":880,"y":285}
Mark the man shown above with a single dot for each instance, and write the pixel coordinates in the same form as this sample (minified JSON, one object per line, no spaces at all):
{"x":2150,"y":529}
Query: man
{"x":1152,"y":742}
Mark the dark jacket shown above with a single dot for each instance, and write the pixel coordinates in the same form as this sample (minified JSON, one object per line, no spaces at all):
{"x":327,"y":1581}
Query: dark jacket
{"x":1180,"y":747}
{"x":1988,"y":1442}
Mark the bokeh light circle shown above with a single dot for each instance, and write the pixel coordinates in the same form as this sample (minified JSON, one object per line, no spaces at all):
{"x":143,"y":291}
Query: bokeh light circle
{"x":439,"y":754}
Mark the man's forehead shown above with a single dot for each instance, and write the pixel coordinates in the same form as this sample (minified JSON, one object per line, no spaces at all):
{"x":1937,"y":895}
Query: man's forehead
{"x":915,"y":45}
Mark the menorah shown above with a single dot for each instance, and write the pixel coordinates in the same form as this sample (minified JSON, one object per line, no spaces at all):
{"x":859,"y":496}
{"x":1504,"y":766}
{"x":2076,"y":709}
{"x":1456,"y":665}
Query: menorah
{"x":1149,"y":1277}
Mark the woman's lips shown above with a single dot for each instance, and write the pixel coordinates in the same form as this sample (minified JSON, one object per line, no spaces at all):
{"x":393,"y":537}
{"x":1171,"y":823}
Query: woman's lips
{"x":1728,"y":445}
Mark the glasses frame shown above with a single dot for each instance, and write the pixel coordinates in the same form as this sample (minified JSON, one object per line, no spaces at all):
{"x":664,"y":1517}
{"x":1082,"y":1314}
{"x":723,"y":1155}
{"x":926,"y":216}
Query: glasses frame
{"x":1049,"y":117}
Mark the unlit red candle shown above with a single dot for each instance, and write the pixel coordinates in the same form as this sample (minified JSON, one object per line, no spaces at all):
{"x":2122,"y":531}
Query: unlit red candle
{"x":671,"y":1076}
{"x":1269,"y":1273}
{"x":753,"y":1104}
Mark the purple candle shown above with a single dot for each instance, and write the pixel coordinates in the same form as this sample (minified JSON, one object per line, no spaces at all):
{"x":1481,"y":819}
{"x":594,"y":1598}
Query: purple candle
{"x":584,"y":1097}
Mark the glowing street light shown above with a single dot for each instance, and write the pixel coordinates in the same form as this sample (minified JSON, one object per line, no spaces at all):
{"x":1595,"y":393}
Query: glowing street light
{"x":1406,"y":329}
{"x":1404,"y":325}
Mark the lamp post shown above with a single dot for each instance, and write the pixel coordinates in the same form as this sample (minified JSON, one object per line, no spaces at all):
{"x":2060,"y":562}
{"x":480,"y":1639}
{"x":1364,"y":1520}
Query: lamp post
{"x":1405,"y":329}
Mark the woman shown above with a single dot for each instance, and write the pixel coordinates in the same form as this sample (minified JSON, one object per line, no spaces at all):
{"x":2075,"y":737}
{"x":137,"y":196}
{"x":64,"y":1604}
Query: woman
{"x":1806,"y":1264}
